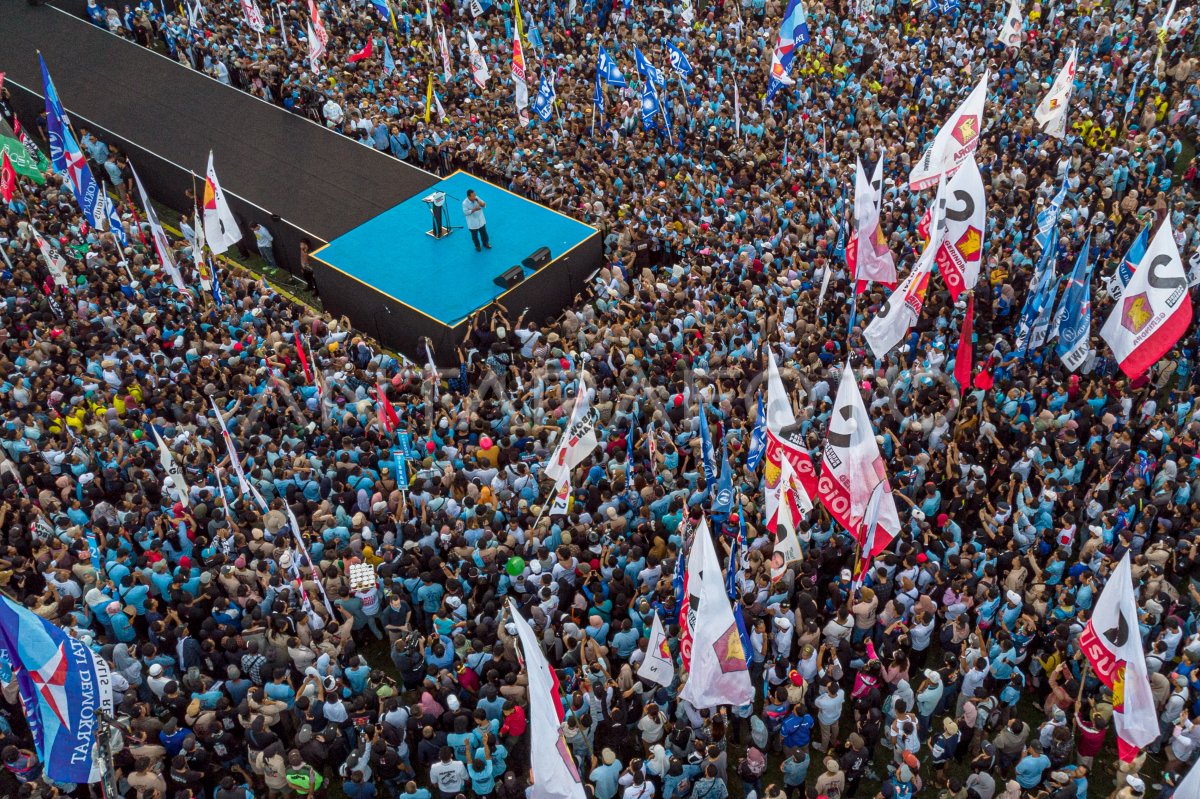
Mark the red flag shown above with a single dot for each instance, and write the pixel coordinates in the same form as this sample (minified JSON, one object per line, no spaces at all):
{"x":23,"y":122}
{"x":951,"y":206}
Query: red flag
{"x":363,"y":53}
{"x":308,"y":378}
{"x":387,"y":414}
{"x":984,"y":380}
{"x":8,"y":176}
{"x":962,"y":360}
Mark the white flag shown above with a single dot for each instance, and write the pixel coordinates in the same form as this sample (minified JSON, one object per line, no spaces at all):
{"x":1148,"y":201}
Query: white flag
{"x":479,"y":69}
{"x":792,"y":501}
{"x":1051,"y":112}
{"x":561,"y":505}
{"x":161,"y":245}
{"x":1013,"y":29}
{"x":254,"y":17}
{"x":687,"y":12}
{"x":964,"y":219}
{"x":219,"y":223}
{"x":445,"y":48}
{"x":1155,"y":309}
{"x":55,"y":263}
{"x":902,"y":309}
{"x":578,"y":440}
{"x":1112,"y":643}
{"x":170,"y":468}
{"x":718,"y":673}
{"x":955,"y":141}
{"x":784,"y":441}
{"x":1189,"y":786}
{"x":658,"y":666}
{"x":318,"y":27}
{"x":554,"y":773}
{"x":518,"y":75}
{"x":737,"y":110}
{"x":852,"y":467}
{"x":315,"y":50}
{"x":872,"y":257}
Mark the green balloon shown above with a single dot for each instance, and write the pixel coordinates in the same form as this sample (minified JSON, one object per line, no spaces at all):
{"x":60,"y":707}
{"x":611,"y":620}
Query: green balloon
{"x":514,"y":566}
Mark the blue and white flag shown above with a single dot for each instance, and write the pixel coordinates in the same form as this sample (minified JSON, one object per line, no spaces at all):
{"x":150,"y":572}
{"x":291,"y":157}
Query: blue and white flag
{"x":649,"y":105}
{"x":114,"y":219}
{"x":935,"y":7}
{"x":63,"y":686}
{"x":68,"y":158}
{"x":793,"y":32}
{"x":1047,"y":218}
{"x":648,"y":70}
{"x":758,"y":437}
{"x":1043,"y":289}
{"x":1131,"y":100}
{"x":1118,"y":282}
{"x":389,"y":63}
{"x":679,"y":61}
{"x":708,"y":455}
{"x":949,"y":6}
{"x":543,"y":104}
{"x":1074,"y":319}
{"x":607,"y":68}
{"x":598,"y":93}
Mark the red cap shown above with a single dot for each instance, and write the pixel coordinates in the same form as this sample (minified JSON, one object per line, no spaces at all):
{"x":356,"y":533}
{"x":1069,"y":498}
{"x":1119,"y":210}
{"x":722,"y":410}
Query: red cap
{"x":942,"y":520}
{"x":922,"y":558}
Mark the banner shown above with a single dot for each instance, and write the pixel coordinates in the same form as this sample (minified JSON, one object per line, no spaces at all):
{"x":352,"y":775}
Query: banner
{"x":784,"y":440}
{"x":659,"y":666}
{"x":964,"y":220}
{"x":64,"y":687}
{"x":1051,"y":112}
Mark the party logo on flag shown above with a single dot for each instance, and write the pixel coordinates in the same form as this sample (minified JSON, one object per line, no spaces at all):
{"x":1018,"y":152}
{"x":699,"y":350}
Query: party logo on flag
{"x":1137,"y":313}
{"x":967,"y":129}
{"x":730,"y":654}
{"x":969,"y":244}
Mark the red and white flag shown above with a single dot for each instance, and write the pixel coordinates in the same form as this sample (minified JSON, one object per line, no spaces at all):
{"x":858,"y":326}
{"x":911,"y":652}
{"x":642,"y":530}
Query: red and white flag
{"x":554,"y":774}
{"x":301,"y":353}
{"x":902,"y":309}
{"x":852,"y":466}
{"x":658,"y":665}
{"x":8,"y":178}
{"x":963,"y":213}
{"x":867,"y":255}
{"x":1155,"y":309}
{"x":445,"y":51}
{"x":793,"y":503}
{"x":784,"y":440}
{"x":1051,"y":112}
{"x":366,"y":52}
{"x":318,"y":28}
{"x":387,"y":412}
{"x":1112,"y":643}
{"x":962,"y":359}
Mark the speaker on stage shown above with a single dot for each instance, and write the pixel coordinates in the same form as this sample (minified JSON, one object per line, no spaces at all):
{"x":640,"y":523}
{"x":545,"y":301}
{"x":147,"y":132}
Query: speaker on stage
{"x":537,"y":259}
{"x":509,"y":278}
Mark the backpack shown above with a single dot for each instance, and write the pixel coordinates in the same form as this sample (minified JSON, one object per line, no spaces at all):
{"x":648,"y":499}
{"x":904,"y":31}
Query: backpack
{"x":758,"y":732}
{"x":753,"y":765}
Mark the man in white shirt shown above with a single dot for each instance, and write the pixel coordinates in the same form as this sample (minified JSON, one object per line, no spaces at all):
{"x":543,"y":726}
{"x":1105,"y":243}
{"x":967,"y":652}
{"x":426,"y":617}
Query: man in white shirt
{"x":476,"y":223}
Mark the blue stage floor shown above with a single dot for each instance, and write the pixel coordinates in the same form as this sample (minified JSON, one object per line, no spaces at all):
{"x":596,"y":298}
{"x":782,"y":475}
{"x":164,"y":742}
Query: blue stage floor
{"x":446,"y":279}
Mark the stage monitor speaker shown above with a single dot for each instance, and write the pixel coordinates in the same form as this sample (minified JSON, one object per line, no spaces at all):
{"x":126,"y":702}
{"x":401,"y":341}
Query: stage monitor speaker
{"x":509,"y":278}
{"x":537,"y":259}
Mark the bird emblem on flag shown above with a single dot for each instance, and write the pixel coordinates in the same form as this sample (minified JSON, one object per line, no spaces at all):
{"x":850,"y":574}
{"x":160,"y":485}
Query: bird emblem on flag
{"x":731,"y":655}
{"x":967,"y":129}
{"x":969,"y":244}
{"x":1137,"y":312}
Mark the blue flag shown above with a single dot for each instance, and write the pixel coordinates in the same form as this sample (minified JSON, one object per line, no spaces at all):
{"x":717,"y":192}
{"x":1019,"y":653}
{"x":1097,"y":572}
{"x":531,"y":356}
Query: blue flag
{"x":629,"y":436}
{"x":389,"y":63}
{"x":1125,"y":270}
{"x":679,"y":61}
{"x":1074,"y":319}
{"x":607,"y":68}
{"x":708,"y":455}
{"x":758,"y":438}
{"x":543,"y":104}
{"x":793,"y":32}
{"x":649,"y":105}
{"x":114,"y":219}
{"x":381,"y":6}
{"x":63,"y":687}
{"x":648,"y":70}
{"x":934,"y":7}
{"x":68,"y":159}
{"x":1043,"y":288}
{"x":677,"y":579}
{"x":598,"y":93}
{"x":1131,"y":100}
{"x":1048,"y":218}
{"x":722,"y":502}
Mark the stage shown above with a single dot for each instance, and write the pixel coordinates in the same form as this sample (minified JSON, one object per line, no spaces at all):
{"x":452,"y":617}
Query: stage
{"x":397,"y":283}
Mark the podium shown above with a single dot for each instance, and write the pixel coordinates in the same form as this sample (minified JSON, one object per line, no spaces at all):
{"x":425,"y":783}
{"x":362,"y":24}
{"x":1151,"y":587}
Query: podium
{"x":439,"y":214}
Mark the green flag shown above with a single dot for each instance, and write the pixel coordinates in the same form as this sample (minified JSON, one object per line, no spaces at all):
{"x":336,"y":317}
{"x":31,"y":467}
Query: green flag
{"x":23,"y":162}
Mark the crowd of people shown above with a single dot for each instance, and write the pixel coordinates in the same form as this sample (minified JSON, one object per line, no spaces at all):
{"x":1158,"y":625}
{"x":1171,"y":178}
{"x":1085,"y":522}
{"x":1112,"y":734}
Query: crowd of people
{"x":246,"y":664}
